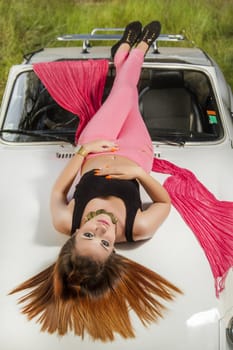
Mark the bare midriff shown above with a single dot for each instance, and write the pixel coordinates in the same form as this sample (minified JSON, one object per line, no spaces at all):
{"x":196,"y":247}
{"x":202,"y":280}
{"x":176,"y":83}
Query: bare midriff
{"x":102,"y":161}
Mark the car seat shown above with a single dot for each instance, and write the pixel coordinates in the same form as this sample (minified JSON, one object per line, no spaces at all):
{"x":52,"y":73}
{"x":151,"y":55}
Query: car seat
{"x":168,"y":106}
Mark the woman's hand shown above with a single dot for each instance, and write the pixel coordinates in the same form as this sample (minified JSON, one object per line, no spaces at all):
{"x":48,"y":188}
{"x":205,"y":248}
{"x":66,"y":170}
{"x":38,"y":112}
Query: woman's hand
{"x":122,"y":172}
{"x":98,"y":146}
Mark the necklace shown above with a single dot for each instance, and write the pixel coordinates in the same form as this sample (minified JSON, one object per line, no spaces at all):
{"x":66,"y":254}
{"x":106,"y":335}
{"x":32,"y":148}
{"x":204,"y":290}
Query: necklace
{"x":92,"y":214}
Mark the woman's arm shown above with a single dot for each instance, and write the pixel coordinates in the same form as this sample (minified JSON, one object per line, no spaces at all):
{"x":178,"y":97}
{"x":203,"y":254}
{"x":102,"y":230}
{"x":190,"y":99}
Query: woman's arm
{"x":61,"y":215}
{"x":148,"y":221}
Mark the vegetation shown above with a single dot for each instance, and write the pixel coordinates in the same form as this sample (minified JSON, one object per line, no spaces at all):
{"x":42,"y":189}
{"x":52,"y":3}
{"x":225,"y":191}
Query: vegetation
{"x":27,"y":25}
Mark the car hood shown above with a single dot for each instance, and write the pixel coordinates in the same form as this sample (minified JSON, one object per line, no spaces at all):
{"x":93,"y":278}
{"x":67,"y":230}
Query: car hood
{"x":30,"y":243}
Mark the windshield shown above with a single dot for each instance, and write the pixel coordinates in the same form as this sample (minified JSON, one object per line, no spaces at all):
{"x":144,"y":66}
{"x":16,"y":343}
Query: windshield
{"x":176,"y":105}
{"x":33,"y":115}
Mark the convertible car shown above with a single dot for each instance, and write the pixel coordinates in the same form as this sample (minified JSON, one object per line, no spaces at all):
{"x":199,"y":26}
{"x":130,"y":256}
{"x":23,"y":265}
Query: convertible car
{"x":188,"y":109}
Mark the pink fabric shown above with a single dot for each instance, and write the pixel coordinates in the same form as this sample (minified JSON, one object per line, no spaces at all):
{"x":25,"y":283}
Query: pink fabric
{"x":211,"y":220}
{"x":80,"y":96}
{"x":119,"y":118}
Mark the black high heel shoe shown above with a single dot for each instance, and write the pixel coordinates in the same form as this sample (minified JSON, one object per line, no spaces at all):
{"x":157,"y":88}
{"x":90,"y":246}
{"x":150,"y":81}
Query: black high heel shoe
{"x":150,"y":32}
{"x":130,"y":36}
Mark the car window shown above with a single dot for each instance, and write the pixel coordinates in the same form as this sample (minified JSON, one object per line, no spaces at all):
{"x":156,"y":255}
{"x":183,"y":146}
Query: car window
{"x":176,"y":105}
{"x":179,"y":105}
{"x":34,"y":113}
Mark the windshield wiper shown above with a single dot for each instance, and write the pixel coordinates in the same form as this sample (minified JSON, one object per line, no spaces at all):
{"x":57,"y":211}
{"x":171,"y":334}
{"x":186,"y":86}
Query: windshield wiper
{"x":169,"y":142}
{"x":34,"y":133}
{"x":37,"y":133}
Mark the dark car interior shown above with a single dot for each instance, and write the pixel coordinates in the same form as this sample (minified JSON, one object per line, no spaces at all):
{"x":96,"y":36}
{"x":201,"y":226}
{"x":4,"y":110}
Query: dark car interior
{"x":176,"y":105}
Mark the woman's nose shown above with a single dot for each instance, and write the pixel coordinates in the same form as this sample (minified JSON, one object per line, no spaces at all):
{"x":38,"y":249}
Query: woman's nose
{"x":101,"y":229}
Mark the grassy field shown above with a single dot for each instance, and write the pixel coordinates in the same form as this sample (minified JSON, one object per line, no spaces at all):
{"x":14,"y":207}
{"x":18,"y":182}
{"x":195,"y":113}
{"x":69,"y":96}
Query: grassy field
{"x":26,"y":25}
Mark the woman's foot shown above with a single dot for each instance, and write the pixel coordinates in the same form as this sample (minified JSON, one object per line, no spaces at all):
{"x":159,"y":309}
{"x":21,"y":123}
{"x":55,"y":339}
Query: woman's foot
{"x":130,"y":36}
{"x":149,"y":34}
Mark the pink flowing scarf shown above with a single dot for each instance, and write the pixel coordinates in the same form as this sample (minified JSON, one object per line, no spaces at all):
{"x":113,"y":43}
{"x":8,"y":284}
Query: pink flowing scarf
{"x":78,"y":87}
{"x":211,"y":220}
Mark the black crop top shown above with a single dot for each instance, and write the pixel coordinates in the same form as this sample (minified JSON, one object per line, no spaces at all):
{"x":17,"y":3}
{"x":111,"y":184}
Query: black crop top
{"x":91,"y":186}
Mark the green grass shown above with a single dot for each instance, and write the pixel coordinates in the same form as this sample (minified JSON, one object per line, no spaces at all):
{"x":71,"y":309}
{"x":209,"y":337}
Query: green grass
{"x":26,"y":25}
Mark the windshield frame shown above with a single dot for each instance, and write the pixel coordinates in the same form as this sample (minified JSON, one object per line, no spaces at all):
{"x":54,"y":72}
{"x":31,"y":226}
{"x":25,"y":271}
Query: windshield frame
{"x":60,"y":137}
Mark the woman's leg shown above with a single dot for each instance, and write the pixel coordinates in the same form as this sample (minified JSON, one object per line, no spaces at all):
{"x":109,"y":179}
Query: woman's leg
{"x":109,"y":119}
{"x":134,"y":140}
{"x":119,"y":118}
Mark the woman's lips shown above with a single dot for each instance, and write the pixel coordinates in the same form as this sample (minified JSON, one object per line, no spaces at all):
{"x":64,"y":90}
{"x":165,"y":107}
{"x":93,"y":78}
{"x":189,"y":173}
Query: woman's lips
{"x":103,"y":222}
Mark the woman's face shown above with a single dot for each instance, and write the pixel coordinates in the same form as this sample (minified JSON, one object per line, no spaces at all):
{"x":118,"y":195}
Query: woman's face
{"x":96,"y":237}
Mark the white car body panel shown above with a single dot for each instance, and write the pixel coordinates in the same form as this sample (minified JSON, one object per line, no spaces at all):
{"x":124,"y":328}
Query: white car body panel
{"x":195,"y":320}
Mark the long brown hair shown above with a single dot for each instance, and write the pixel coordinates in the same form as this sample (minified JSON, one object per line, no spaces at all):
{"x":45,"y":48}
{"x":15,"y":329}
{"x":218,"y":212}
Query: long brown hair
{"x":81,"y":295}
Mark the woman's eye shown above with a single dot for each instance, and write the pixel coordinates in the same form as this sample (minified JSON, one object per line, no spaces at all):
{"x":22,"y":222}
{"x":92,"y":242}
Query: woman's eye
{"x":88,"y":234}
{"x":105,"y":243}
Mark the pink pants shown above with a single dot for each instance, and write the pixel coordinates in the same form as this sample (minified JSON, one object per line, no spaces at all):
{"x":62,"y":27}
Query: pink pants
{"x":119,"y":118}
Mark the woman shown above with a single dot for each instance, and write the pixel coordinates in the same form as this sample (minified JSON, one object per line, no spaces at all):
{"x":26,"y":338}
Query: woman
{"x":91,"y":288}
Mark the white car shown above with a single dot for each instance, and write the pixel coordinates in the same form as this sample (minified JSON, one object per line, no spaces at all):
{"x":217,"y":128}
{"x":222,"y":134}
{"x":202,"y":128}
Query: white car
{"x":177,"y":86}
